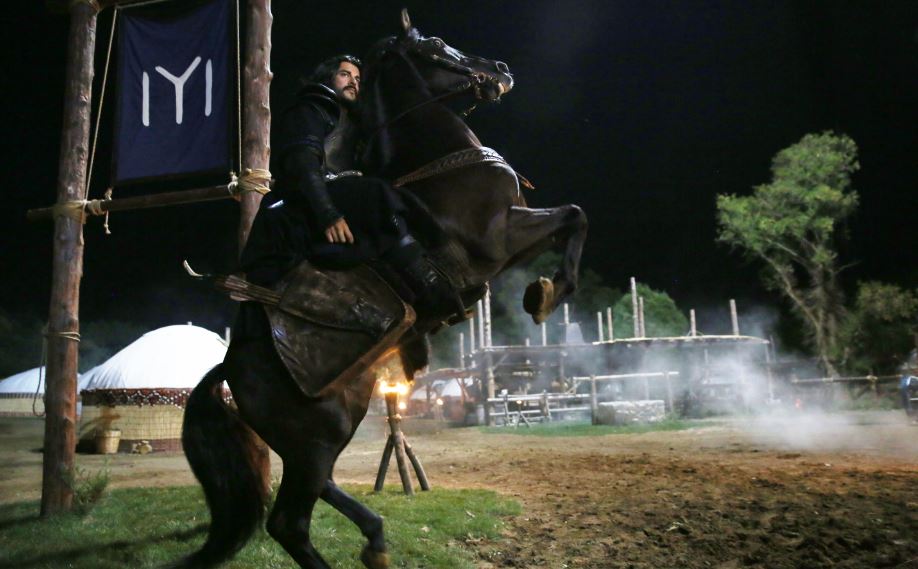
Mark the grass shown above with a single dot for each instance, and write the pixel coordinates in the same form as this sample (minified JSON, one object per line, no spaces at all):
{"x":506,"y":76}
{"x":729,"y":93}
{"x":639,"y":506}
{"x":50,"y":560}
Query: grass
{"x":585,"y":429}
{"x":149,"y":527}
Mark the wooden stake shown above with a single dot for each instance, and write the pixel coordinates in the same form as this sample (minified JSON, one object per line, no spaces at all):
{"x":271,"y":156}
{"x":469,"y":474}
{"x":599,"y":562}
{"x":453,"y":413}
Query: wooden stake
{"x":733,"y":318}
{"x":594,"y":401}
{"x":599,"y":326}
{"x":609,"y":323}
{"x":634,"y":308}
{"x":471,"y":336}
{"x":461,"y":350}
{"x":694,"y":331}
{"x":641,"y":329}
{"x":486,"y":340}
{"x":67,"y":267}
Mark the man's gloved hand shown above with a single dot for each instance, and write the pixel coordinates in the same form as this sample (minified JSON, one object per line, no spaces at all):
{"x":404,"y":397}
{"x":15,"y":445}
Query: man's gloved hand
{"x":339,"y":232}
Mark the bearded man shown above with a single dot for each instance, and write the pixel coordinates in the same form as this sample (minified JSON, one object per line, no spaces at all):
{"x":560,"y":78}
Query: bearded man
{"x":330,"y":214}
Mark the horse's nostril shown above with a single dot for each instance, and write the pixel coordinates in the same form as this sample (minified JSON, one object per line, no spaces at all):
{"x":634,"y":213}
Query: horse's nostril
{"x":502,"y":67}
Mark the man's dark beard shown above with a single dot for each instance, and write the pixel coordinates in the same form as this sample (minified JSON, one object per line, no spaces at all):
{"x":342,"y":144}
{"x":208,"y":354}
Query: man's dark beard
{"x":348,"y":104}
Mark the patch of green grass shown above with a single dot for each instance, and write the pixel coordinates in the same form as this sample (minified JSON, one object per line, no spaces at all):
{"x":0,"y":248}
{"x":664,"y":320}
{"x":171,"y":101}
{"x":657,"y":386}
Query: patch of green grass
{"x":585,"y":429}
{"x":149,"y":527}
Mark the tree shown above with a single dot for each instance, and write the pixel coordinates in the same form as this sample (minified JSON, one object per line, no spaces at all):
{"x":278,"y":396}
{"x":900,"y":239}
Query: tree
{"x":877,"y":335}
{"x":792,"y":226}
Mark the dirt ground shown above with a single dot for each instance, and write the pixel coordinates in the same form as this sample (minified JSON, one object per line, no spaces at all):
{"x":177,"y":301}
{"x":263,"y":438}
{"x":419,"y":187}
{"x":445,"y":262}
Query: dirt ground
{"x":786,"y":492}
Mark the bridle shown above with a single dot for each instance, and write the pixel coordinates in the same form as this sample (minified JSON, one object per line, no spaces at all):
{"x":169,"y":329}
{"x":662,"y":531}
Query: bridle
{"x":475,"y":81}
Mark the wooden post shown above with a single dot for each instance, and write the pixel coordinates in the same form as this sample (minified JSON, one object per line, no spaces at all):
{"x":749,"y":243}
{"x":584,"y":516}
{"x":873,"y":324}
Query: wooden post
{"x":733,"y":318}
{"x":67,"y":266}
{"x":669,"y":391}
{"x":546,"y":411}
{"x":461,"y":350}
{"x":594,"y":401}
{"x":256,"y":137}
{"x":486,"y":339}
{"x":693,"y":331}
{"x":471,"y":338}
{"x":256,"y":111}
{"x":609,"y":323}
{"x":567,"y":321}
{"x":642,"y":330}
{"x":481,"y":323}
{"x":544,"y":334}
{"x":768,"y":371}
{"x":599,"y":326}
{"x":634,"y":308}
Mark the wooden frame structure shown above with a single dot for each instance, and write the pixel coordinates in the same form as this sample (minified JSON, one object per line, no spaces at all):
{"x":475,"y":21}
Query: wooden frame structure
{"x":67,"y":258}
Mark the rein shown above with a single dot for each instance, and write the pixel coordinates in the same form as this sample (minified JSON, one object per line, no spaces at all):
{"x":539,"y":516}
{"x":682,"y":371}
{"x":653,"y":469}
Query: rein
{"x":474,"y":82}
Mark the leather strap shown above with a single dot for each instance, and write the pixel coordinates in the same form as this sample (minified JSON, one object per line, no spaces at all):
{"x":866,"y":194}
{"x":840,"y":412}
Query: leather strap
{"x":451,"y":161}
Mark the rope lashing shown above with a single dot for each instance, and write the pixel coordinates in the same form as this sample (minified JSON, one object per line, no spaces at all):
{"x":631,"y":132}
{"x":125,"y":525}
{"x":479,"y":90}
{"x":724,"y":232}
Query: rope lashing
{"x":77,"y":209}
{"x":252,"y":180}
{"x":74,"y":336}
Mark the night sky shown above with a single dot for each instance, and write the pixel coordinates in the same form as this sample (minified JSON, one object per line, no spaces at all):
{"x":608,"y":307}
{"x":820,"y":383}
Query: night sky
{"x":640,"y":112}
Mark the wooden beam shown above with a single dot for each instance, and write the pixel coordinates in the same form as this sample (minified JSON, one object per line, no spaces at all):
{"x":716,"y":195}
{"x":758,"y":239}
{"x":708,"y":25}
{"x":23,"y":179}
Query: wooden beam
{"x":67,"y":267}
{"x":145,"y":202}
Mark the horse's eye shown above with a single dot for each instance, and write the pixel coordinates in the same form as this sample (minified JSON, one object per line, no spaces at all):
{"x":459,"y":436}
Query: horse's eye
{"x":438,"y":43}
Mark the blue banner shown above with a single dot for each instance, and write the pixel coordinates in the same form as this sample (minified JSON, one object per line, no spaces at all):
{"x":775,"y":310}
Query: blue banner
{"x":174,"y":86}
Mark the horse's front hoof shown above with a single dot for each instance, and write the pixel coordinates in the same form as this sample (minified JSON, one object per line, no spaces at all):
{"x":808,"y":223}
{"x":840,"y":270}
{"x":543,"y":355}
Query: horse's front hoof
{"x":374,"y":559}
{"x":538,"y":298}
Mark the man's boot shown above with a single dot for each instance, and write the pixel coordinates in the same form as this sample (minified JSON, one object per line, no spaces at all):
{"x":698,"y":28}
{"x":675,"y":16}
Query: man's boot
{"x":433,"y":292}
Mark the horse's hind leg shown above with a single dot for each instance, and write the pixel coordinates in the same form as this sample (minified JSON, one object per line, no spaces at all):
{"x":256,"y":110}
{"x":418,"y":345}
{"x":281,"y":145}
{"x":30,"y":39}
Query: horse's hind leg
{"x":532,"y":231}
{"x":301,"y":486}
{"x":374,"y":555}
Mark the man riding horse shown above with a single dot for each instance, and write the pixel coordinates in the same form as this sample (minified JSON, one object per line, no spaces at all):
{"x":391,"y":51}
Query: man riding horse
{"x":330,"y":214}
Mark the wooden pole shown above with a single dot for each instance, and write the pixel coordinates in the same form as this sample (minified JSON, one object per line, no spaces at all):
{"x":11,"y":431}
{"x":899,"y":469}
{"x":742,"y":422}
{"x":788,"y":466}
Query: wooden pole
{"x":164,"y":199}
{"x":67,"y":266}
{"x":642,"y":330}
{"x":461,"y":350}
{"x":634,"y":308}
{"x":733,"y":318}
{"x":669,"y":391}
{"x":471,"y":338}
{"x":256,"y":134}
{"x":486,"y":340}
{"x":609,"y":323}
{"x":599,"y":326}
{"x":544,"y":334}
{"x":481,"y":324}
{"x":256,"y":110}
{"x":694,"y":331}
{"x":594,"y":402}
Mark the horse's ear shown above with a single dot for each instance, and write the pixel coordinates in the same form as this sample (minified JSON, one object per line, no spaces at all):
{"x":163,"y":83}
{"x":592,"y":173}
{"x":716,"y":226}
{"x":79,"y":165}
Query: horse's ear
{"x":406,"y":21}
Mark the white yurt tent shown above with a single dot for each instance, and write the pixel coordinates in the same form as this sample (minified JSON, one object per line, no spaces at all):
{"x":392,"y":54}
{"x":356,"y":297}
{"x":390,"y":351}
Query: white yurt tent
{"x":19,"y":392}
{"x":141,"y":391}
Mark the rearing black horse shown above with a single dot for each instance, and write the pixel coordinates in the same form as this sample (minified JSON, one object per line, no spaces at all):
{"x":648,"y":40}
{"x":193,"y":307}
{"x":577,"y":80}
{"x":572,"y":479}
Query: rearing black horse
{"x":474,"y":199}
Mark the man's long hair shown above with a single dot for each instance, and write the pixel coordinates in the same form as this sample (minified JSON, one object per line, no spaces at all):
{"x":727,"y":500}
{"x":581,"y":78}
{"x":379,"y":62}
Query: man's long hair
{"x":325,"y":71}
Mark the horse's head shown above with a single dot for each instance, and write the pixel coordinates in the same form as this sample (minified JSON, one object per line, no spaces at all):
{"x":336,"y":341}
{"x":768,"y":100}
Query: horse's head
{"x":447,"y":70}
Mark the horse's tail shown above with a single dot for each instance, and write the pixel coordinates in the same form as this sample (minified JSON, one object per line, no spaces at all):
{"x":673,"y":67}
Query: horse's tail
{"x":223,"y":455}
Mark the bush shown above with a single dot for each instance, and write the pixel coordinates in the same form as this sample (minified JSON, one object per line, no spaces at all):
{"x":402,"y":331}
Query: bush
{"x":88,"y":488}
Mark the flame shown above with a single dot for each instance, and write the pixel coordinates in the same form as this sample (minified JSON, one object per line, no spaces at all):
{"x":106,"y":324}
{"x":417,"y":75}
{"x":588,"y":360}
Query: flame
{"x":386,"y":386}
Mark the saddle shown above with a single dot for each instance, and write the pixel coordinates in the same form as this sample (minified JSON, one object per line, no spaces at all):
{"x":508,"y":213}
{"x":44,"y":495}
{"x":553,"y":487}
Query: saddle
{"x":313,"y":313}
